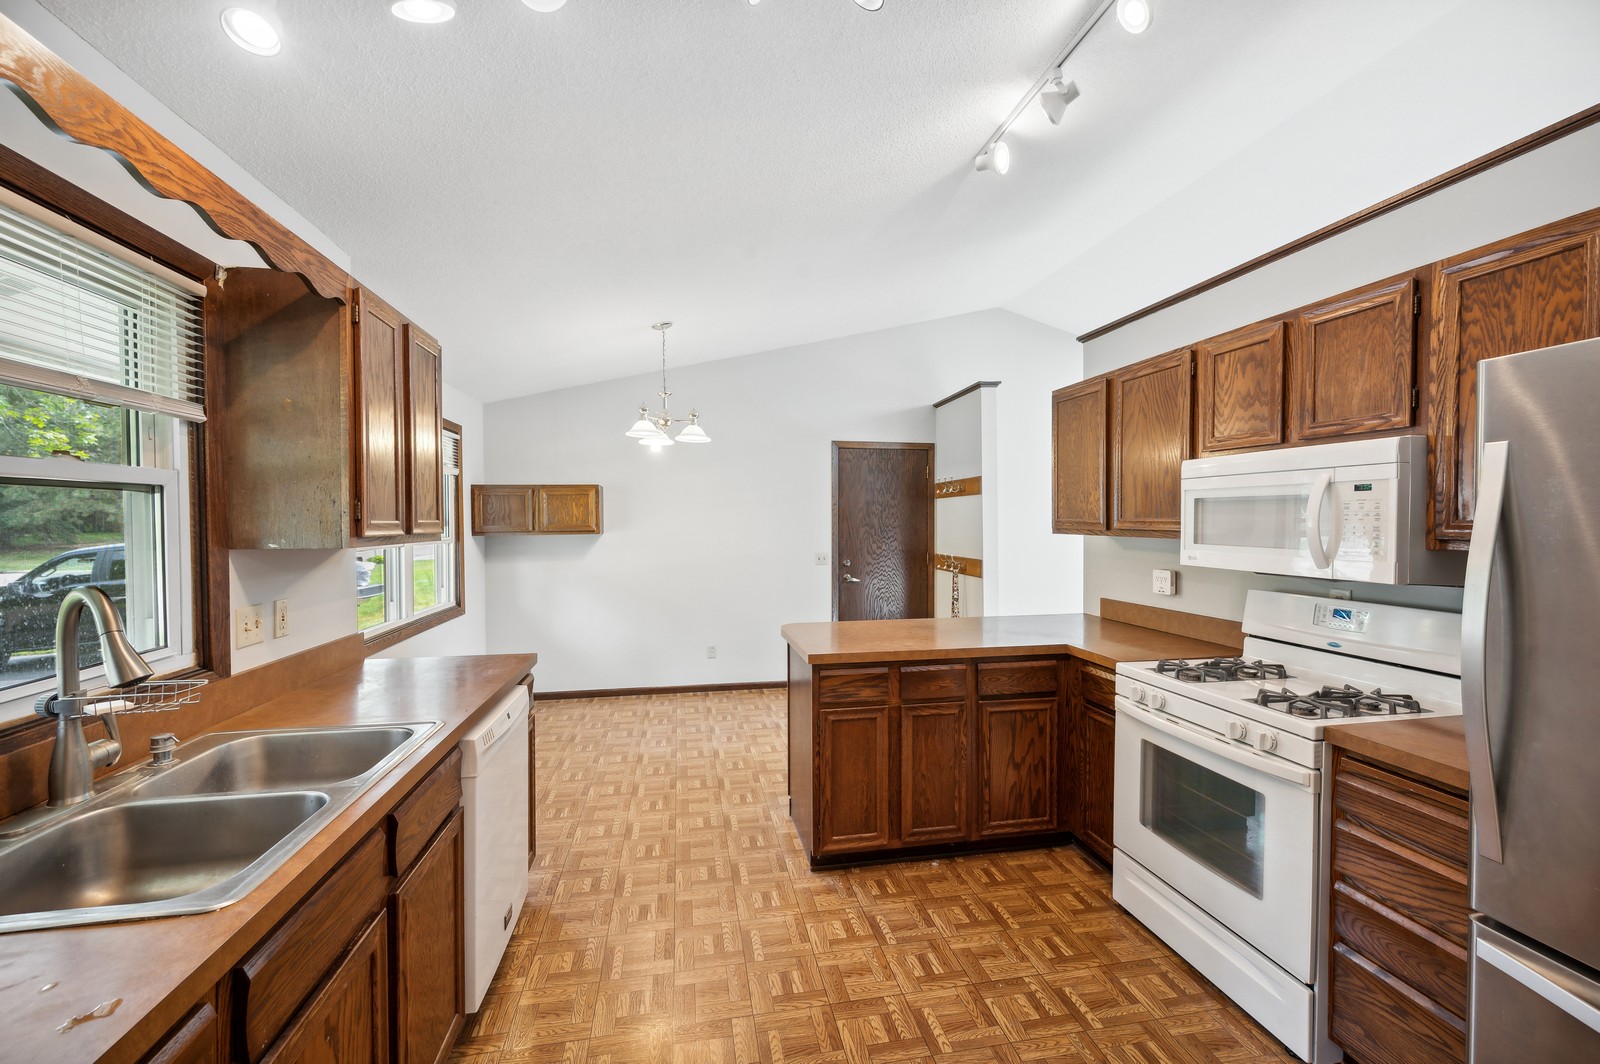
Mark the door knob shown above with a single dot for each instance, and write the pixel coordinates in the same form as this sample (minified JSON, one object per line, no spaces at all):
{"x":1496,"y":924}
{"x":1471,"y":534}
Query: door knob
{"x":847,"y":578}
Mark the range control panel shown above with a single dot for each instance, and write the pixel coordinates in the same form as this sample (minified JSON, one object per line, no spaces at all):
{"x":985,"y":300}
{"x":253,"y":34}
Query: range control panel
{"x":1341,"y":618}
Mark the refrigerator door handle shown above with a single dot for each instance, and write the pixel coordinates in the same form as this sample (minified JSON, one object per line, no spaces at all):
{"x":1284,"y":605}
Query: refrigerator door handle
{"x":1319,"y":495}
{"x":1525,"y":970}
{"x":1478,"y":602}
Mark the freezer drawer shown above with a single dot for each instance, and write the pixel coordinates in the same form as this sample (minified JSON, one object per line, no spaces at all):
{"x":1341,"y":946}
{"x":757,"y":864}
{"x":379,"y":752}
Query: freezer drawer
{"x":1528,"y":1007}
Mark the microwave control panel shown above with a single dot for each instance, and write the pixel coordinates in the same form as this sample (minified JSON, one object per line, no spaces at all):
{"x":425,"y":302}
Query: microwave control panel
{"x":1362,"y":512}
{"x":1341,"y":618}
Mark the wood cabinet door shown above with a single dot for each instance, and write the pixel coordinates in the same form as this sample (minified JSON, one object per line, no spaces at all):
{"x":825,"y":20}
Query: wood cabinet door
{"x":933,"y":772}
{"x":854,"y":766}
{"x":1150,"y":413}
{"x":1097,"y":747}
{"x":572,"y":509}
{"x":197,"y":1040}
{"x":1016,"y":766}
{"x":1536,"y":290}
{"x":424,"y":435}
{"x":1353,"y":363}
{"x":1079,"y":420}
{"x":428,"y":971}
{"x":498,"y":508}
{"x":347,"y":1021}
{"x":380,"y":419}
{"x":1239,"y":389}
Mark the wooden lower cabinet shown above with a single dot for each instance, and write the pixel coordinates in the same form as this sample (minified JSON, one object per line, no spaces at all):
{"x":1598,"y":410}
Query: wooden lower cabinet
{"x":933,"y":772}
{"x":853,"y":779}
{"x":346,"y":1021}
{"x":1399,"y":920}
{"x":428,"y":968}
{"x":197,"y":1040}
{"x":1097,"y":756}
{"x":1016,"y":766}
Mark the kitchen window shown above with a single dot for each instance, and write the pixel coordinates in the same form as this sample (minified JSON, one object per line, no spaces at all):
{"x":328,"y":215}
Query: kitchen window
{"x":406,"y":589}
{"x":101,"y":358}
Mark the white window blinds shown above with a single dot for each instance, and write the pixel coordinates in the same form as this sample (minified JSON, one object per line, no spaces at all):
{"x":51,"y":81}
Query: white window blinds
{"x":79,"y":321}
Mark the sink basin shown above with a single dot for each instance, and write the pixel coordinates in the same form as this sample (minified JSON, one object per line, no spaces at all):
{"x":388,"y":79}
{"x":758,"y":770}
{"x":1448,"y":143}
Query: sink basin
{"x":147,"y":851}
{"x":279,"y":760}
{"x":192,"y":836}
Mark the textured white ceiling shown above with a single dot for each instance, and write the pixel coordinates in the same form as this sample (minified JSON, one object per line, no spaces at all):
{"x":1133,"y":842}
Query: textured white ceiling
{"x":537,"y":189}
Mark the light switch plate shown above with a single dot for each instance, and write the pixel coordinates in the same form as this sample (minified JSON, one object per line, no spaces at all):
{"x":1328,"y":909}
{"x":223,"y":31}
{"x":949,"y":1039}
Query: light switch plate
{"x":822,"y":557}
{"x":1164,"y":581}
{"x":247,"y":626}
{"x":280,"y":618}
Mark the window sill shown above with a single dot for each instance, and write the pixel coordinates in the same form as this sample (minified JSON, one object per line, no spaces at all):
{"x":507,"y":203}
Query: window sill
{"x":384,"y":638}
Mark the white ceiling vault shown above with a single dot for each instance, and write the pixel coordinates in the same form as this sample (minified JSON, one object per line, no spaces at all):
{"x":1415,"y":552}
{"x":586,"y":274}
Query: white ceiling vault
{"x":537,"y":189}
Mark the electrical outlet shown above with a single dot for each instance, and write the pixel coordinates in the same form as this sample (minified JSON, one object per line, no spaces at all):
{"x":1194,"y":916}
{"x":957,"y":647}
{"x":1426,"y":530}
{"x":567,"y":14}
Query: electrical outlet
{"x":247,"y":626}
{"x":280,"y":618}
{"x":822,"y":557}
{"x":711,"y":652}
{"x":1164,"y":581}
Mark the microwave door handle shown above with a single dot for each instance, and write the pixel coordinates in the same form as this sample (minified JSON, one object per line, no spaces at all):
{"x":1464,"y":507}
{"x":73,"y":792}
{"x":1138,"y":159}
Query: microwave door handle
{"x":1319,"y":494}
{"x":1479,"y":600}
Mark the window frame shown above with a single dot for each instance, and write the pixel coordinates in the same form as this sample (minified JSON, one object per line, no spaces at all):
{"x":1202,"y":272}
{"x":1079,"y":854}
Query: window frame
{"x":382,"y":638}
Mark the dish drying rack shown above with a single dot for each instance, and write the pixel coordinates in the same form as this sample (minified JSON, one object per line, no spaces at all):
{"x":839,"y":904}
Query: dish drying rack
{"x":151,"y":696}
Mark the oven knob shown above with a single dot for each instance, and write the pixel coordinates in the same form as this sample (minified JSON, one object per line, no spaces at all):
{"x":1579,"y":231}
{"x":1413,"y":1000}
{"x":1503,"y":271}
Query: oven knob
{"x":1157,"y":700}
{"x":1267,"y":741}
{"x":1237,"y":730}
{"x":1136,"y":693}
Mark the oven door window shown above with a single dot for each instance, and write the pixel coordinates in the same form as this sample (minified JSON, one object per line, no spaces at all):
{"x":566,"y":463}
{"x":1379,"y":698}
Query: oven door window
{"x":1215,"y":820}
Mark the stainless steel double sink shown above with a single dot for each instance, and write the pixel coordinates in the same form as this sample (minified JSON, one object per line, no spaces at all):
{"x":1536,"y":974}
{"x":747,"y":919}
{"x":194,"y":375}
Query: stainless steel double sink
{"x":194,"y":835}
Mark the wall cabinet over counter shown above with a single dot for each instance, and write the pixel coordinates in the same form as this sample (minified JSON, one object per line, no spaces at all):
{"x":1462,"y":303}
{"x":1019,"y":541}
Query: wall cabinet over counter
{"x":332,"y":417}
{"x":536,"y":509}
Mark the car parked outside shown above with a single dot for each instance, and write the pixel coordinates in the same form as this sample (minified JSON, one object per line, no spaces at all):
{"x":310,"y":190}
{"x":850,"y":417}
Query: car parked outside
{"x":28,"y":605}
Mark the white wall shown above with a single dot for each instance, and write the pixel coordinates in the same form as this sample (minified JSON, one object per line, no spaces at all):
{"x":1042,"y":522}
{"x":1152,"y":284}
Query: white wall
{"x":715,"y":545}
{"x":1543,"y":186}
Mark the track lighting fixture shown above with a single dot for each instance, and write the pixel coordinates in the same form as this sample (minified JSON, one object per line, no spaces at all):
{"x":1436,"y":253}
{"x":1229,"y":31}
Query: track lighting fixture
{"x":544,"y":6}
{"x":1055,"y":98}
{"x":425,"y":11}
{"x":1134,"y":15}
{"x":997,"y":158}
{"x":251,"y":31}
{"x":869,"y":5}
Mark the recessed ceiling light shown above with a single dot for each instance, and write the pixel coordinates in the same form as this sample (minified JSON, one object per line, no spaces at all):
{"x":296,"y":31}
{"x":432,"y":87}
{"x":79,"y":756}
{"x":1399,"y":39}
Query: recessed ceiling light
{"x":1134,"y":15}
{"x":429,"y":11}
{"x":996,"y":159}
{"x":869,"y":5}
{"x":251,"y":32}
{"x":545,"y":6}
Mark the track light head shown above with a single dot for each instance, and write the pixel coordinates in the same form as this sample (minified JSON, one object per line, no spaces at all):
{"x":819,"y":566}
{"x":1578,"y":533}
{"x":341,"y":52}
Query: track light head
{"x":869,"y":5}
{"x":1134,"y":15}
{"x":1056,"y":96}
{"x":996,"y":159}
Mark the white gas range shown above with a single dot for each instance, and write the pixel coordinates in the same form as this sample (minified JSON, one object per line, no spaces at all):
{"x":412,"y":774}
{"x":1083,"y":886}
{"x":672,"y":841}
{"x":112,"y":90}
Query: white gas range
{"x":1221,"y":826}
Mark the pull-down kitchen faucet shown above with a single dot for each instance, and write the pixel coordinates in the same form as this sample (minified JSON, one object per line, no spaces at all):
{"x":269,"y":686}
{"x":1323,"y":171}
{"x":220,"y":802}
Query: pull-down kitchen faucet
{"x":74,"y":760}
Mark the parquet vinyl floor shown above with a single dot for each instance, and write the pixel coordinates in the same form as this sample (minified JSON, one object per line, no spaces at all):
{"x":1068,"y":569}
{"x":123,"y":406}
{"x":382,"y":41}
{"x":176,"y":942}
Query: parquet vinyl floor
{"x":673,"y":919}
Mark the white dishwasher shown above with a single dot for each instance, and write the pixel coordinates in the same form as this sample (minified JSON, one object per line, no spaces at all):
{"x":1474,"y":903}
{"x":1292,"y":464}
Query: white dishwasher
{"x":494,"y":784}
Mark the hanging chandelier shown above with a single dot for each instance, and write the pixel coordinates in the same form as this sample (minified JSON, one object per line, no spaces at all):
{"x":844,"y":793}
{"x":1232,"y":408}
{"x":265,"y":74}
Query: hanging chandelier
{"x":651,"y":428}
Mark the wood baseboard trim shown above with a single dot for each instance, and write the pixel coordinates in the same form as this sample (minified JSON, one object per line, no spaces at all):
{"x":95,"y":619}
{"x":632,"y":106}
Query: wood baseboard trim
{"x":693,"y":688}
{"x":1176,"y":622}
{"x":1537,"y":139}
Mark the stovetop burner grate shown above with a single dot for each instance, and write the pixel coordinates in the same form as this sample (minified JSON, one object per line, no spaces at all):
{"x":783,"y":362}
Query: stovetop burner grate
{"x":1220,"y":669}
{"x":1343,"y":701}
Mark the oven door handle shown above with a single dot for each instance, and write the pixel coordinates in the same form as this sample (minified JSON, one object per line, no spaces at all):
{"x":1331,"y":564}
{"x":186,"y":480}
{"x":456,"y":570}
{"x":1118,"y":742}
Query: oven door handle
{"x":1198,"y":737}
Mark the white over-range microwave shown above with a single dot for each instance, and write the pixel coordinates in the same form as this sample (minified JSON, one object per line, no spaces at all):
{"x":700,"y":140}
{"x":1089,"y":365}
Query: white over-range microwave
{"x":1354,"y":510}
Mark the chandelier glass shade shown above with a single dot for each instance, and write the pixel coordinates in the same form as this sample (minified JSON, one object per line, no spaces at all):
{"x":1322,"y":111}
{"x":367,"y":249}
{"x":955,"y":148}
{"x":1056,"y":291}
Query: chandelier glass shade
{"x":654,"y":426}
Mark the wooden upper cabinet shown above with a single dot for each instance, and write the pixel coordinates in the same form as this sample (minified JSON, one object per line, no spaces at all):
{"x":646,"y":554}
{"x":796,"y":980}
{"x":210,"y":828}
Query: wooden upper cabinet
{"x":1239,"y":389}
{"x":424,"y":480}
{"x":1533,"y":291}
{"x":536,"y":509}
{"x":1150,"y":413}
{"x":1079,"y":416}
{"x":1353,"y":363}
{"x":380,"y":400}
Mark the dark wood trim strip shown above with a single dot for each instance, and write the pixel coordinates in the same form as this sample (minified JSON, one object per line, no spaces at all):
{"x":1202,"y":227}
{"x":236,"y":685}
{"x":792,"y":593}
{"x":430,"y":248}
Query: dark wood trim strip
{"x":950,"y":489}
{"x":72,"y":105}
{"x":693,"y":688}
{"x":1174,"y":622}
{"x":213,"y":632}
{"x":385,"y":640}
{"x":955,"y":563}
{"x":1538,"y":139}
{"x":969,"y":389}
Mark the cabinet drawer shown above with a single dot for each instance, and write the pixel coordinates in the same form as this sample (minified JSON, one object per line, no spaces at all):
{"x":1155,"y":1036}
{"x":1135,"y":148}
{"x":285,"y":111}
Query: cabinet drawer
{"x":1422,"y":817}
{"x":421,"y":812}
{"x":1099,"y":685}
{"x":1423,"y":960}
{"x":845,"y":687}
{"x":932,"y":683}
{"x":274,"y":980}
{"x":1376,"y":1018}
{"x":1416,"y":885}
{"x":998,"y":679}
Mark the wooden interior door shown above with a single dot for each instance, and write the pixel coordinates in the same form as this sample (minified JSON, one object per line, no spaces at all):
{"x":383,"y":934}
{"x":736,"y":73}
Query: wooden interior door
{"x":882,"y":531}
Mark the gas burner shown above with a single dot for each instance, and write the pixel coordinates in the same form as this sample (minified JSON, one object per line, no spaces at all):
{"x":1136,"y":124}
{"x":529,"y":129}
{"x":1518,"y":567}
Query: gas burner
{"x":1220,"y":669}
{"x":1379,"y":704}
{"x":1264,"y":697}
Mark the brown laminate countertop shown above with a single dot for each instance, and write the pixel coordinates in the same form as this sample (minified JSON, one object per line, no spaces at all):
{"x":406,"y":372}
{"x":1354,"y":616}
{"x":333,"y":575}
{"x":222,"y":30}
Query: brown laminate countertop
{"x":1082,"y":635}
{"x":1431,"y":749}
{"x":158,"y":969}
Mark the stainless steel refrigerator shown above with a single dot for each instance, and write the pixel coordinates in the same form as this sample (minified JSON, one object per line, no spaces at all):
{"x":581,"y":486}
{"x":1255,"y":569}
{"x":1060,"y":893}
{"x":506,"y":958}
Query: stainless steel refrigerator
{"x":1531,"y":668}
